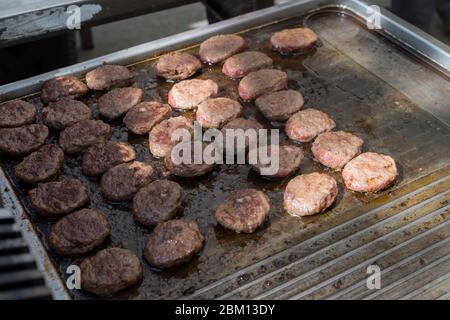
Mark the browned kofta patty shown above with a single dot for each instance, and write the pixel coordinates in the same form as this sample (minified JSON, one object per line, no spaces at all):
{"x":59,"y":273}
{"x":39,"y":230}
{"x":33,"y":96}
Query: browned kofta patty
{"x":309,"y":194}
{"x":260,"y":82}
{"x":142,"y":117}
{"x":293,"y":40}
{"x":105,"y":155}
{"x":121,"y":182}
{"x":157,"y":202}
{"x":84,"y":134}
{"x":188,"y":94}
{"x":244,"y":210}
{"x":370,"y":172}
{"x":110,"y":271}
{"x":335,"y":149}
{"x":58,"y":198}
{"x":185,"y":166}
{"x":220,"y":47}
{"x":231,"y":130}
{"x":177,"y":66}
{"x":41,"y":165}
{"x":284,"y":164}
{"x":214,"y":113}
{"x":22,"y":140}
{"x":243,"y":63}
{"x":172,"y":243}
{"x":109,"y":76}
{"x":161,"y":139}
{"x":64,"y":113}
{"x":280,"y":105}
{"x":118,"y":101}
{"x":69,"y":87}
{"x":79,"y":232}
{"x":16,"y":113}
{"x":305,"y":125}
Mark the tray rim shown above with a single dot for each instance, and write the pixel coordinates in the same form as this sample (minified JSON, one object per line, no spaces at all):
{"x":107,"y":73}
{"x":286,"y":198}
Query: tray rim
{"x":430,"y":48}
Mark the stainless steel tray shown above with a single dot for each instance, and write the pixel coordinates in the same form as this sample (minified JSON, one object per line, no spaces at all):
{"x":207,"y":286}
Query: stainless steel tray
{"x":388,"y":86}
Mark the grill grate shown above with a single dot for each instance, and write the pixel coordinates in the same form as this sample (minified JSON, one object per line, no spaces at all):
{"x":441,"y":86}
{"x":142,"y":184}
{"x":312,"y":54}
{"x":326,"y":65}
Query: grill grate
{"x":19,"y":275}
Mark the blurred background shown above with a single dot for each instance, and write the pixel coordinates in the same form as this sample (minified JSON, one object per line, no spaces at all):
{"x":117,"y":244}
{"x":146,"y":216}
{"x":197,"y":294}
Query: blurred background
{"x":134,"y":22}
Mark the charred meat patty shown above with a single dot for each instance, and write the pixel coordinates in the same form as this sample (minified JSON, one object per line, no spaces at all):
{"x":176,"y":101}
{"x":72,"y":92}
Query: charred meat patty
{"x":109,"y":76}
{"x":172,"y":243}
{"x":110,"y":271}
{"x":79,"y":232}
{"x":84,"y":134}
{"x":143,"y":117}
{"x":65,"y":113}
{"x":16,"y":113}
{"x":22,"y":140}
{"x":41,"y":165}
{"x":121,"y":182}
{"x":58,"y":198}
{"x":244,"y":211}
{"x":157,"y":202}
{"x":305,"y":125}
{"x":118,"y":101}
{"x":220,"y":47}
{"x":215,"y":112}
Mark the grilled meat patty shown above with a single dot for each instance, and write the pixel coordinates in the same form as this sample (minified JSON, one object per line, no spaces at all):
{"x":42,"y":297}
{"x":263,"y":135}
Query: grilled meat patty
{"x":244,"y":210}
{"x":22,"y":140}
{"x":162,"y":135}
{"x":243,"y":63}
{"x":305,"y":125}
{"x":293,"y":40}
{"x":41,"y":165}
{"x":65,"y":113}
{"x":83,"y":134}
{"x":172,"y":243}
{"x":144,"y":116}
{"x":370,"y":172}
{"x":69,"y":87}
{"x":105,"y":155}
{"x":260,"y":82}
{"x":108,"y":77}
{"x":335,"y":149}
{"x":280,"y":105}
{"x":110,"y":270}
{"x":309,"y":194}
{"x":215,"y":112}
{"x":58,"y":198}
{"x":79,"y":232}
{"x":220,"y":47}
{"x":157,"y":202}
{"x":188,"y":94}
{"x":16,"y":113}
{"x":177,"y":66}
{"x":118,"y":101}
{"x":122,"y":181}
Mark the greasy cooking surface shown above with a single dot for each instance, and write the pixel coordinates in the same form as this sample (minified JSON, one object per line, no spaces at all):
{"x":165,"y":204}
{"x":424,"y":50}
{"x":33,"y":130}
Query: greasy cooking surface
{"x":356,"y":99}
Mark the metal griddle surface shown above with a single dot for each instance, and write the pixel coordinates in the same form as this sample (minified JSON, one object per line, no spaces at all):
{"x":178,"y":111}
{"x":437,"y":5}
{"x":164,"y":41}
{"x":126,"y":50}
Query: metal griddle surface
{"x":289,"y":256}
